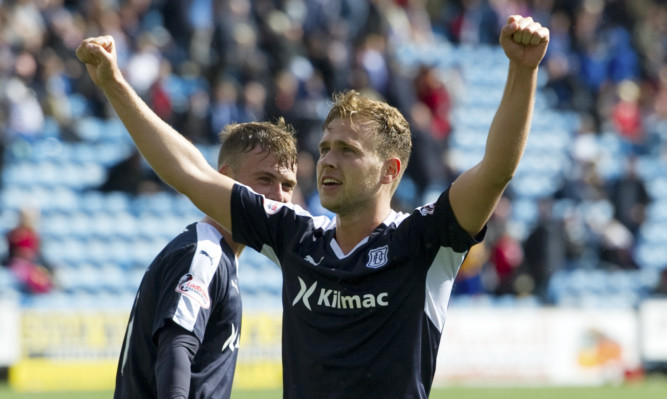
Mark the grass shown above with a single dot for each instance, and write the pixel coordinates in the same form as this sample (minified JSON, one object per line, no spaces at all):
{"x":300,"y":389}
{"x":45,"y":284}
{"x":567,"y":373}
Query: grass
{"x":651,"y":388}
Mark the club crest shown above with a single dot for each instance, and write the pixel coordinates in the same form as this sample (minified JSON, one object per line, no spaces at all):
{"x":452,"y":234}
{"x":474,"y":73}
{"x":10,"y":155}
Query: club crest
{"x":377,"y":257}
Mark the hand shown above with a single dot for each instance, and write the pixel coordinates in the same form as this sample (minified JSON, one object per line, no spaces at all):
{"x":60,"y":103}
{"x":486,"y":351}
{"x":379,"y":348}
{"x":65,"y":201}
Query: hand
{"x":99,"y":55}
{"x":524,"y":41}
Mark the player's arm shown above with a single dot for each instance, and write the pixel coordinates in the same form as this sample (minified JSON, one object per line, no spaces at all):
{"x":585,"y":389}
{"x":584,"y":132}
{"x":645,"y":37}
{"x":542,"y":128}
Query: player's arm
{"x":175,"y":351}
{"x":177,"y":161}
{"x":475,"y":193}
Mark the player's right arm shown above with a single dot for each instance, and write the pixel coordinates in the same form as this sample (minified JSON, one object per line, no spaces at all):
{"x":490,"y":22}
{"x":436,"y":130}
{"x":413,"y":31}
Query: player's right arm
{"x":173,"y":366}
{"x":177,"y":161}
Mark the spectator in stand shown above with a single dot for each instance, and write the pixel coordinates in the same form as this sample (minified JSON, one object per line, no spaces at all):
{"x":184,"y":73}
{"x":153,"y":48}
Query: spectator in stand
{"x":616,"y":246}
{"x":224,"y":107}
{"x":506,"y":257}
{"x":470,"y":280}
{"x":630,"y":197}
{"x":477,"y":22}
{"x":427,"y":167}
{"x":661,"y":287}
{"x":23,"y":240}
{"x":432,"y":92}
{"x":544,"y":249}
{"x":24,"y":256}
{"x":133,"y":176}
{"x":626,"y":116}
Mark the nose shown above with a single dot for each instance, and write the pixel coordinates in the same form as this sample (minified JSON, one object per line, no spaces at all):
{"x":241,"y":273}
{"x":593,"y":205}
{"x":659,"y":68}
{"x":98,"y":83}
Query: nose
{"x":326,"y":161}
{"x":277,"y":193}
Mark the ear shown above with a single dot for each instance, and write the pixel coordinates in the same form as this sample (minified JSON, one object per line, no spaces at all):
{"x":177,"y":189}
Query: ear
{"x":226,"y":170}
{"x":392,"y":169}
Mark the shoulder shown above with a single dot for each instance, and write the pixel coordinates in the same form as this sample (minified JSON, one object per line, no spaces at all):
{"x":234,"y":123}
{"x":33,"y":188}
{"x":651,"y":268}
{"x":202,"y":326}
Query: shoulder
{"x":277,"y":209}
{"x":189,"y":242}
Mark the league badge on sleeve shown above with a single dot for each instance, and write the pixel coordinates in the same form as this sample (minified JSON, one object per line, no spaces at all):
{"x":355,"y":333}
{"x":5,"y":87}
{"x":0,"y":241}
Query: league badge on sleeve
{"x":272,"y":207}
{"x":194,"y":289}
{"x":427,"y":209}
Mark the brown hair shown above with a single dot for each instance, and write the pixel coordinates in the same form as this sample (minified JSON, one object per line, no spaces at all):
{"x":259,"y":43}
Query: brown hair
{"x":392,"y":129}
{"x":277,"y":138}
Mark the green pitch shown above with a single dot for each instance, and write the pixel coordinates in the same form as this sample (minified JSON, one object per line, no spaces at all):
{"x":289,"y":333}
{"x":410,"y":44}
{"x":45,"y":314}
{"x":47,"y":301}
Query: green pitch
{"x":653,"y":388}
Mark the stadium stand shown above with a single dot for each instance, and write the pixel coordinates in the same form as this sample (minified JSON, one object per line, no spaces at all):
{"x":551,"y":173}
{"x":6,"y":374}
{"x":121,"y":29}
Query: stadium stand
{"x":100,"y":243}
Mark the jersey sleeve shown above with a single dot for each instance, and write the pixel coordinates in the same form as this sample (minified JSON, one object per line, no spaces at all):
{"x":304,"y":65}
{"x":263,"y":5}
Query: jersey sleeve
{"x":438,"y":220}
{"x":188,"y":287}
{"x":259,"y":222}
{"x":176,"y":350}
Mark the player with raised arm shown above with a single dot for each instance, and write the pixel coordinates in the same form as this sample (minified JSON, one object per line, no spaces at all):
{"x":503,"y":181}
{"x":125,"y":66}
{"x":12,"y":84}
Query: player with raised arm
{"x":182,"y":338}
{"x":365,"y":294}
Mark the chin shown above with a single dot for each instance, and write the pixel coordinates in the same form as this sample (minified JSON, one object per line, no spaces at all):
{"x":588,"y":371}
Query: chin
{"x":331,"y":206}
{"x":328,"y":205}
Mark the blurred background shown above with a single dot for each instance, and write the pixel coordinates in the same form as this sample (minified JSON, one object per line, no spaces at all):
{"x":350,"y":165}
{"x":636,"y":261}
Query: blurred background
{"x":568,"y":288}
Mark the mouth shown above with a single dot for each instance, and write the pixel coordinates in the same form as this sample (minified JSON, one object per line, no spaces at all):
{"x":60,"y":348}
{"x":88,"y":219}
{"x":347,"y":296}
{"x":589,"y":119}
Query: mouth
{"x":330,"y":182}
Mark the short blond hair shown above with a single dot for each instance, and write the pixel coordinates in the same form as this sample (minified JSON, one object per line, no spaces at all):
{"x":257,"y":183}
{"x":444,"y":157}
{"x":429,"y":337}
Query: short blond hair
{"x":277,"y":138}
{"x":392,"y":129}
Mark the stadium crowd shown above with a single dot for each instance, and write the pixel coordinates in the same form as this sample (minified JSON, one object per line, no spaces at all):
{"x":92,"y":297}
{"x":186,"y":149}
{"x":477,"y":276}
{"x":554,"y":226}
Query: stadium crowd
{"x":202,"y":64}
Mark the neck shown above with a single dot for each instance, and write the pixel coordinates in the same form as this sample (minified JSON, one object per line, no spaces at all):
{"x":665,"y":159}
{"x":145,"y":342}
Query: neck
{"x":234,"y":246}
{"x":352,"y":228}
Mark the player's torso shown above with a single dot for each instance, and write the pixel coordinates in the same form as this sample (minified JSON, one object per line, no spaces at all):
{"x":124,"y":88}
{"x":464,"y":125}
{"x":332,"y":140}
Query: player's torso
{"x":354,"y":322}
{"x":206,"y":302}
{"x":374,"y":277}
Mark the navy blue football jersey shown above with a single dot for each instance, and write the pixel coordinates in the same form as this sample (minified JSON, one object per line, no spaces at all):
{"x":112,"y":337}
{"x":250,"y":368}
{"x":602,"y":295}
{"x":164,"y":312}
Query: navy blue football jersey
{"x":194,"y":283}
{"x":366,"y":324}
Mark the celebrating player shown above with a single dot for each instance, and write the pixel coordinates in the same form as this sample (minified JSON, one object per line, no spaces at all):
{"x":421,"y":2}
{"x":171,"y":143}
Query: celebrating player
{"x":182,"y":337}
{"x":364,"y":294}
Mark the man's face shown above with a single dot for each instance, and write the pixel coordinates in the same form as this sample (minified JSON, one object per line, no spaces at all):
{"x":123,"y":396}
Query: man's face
{"x":259,"y":170}
{"x":349,"y":170}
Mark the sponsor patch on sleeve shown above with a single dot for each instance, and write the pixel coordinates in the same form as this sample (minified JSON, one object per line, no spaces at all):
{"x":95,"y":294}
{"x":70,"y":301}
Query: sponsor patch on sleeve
{"x":271,"y":207}
{"x":195,"y":290}
{"x":427,"y":209}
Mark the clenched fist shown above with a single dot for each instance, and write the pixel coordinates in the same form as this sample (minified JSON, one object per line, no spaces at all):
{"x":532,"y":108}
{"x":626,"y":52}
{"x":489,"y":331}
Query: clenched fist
{"x":99,"y":55}
{"x":524,"y":41}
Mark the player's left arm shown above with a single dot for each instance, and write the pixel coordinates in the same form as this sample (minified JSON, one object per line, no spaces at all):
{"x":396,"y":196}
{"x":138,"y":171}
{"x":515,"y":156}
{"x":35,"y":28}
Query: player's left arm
{"x":475,"y":193}
{"x":176,"y":350}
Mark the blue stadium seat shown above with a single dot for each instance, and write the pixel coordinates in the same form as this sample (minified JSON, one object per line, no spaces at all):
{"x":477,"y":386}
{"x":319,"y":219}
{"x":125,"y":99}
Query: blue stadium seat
{"x":92,"y":202}
{"x":651,"y":255}
{"x":103,"y":223}
{"x":52,"y":300}
{"x":90,"y":129}
{"x":657,"y":187}
{"x":112,"y":278}
{"x":532,"y":185}
{"x":8,"y":282}
{"x":103,"y":249}
{"x":525,"y":210}
{"x":159,"y":203}
{"x":126,"y":226}
{"x":78,"y":105}
{"x":183,"y":207}
{"x":657,"y":211}
{"x":143,"y":250}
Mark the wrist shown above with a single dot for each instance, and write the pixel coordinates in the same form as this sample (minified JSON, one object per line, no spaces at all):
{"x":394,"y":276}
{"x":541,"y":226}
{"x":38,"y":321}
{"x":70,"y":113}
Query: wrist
{"x":521,"y":74}
{"x":115,"y":83}
{"x":517,"y":67}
